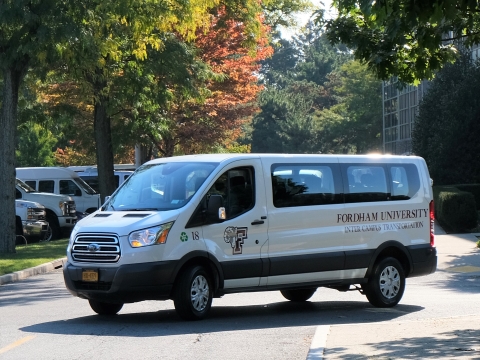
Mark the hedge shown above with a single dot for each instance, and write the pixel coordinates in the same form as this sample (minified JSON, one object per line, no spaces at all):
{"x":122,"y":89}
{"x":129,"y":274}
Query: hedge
{"x":455,"y":209}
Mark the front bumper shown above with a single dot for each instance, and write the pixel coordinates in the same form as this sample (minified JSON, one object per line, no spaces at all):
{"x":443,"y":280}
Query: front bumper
{"x":122,"y":284}
{"x":67,"y":222}
{"x":35,"y":229}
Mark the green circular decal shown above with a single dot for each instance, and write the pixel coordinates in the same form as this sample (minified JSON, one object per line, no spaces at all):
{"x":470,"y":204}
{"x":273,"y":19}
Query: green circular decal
{"x":183,"y":236}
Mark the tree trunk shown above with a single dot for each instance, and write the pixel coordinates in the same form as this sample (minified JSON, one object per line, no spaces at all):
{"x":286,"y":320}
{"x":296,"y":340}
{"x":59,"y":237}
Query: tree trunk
{"x":12,"y":77}
{"x":103,"y":140}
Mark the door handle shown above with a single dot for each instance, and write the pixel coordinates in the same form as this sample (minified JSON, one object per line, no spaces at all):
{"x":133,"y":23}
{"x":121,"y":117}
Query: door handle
{"x":257,"y":222}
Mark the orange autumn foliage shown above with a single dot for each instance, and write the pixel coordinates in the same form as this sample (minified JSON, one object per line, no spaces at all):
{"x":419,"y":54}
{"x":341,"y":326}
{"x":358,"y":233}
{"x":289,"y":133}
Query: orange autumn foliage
{"x":232,"y":102}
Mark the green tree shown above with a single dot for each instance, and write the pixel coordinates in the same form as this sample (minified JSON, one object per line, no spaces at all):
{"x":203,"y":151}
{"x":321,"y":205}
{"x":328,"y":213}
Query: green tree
{"x":447,"y":128}
{"x":407,"y":39}
{"x":359,"y":106}
{"x":35,"y":146}
{"x":29,"y":32}
{"x":290,"y":119}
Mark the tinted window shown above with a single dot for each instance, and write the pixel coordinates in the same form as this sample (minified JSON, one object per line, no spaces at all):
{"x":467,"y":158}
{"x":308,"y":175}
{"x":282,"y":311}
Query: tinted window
{"x":46,"y":186}
{"x":68,"y":187}
{"x":235,"y":187}
{"x":31,"y":183}
{"x":365,"y":183}
{"x":305,"y":184}
{"x":405,"y":181}
{"x":92,"y":181}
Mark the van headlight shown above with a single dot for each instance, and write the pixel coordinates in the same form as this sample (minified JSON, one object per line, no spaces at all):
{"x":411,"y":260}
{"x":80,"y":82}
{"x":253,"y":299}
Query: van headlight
{"x":72,"y":235}
{"x":151,"y":236}
{"x":63,"y":207}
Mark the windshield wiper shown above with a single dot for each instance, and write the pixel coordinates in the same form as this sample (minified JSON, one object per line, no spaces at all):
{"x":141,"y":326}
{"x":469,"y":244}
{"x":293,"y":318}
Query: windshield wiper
{"x":140,"y":209}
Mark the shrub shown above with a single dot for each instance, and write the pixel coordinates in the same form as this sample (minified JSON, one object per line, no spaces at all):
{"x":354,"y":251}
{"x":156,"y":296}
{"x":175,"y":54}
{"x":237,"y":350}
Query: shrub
{"x":471,"y":188}
{"x":455,"y":209}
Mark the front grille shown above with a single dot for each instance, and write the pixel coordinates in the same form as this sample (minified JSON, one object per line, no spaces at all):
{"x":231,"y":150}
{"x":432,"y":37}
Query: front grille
{"x":96,"y":248}
{"x":38,"y":213}
{"x":100,"y":286}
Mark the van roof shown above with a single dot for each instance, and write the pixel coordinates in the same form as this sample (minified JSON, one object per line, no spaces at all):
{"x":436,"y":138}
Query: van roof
{"x":282,"y":157}
{"x":44,"y":172}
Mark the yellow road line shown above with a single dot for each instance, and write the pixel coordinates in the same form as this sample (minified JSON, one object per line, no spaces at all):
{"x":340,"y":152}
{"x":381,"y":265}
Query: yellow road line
{"x":463,"y":269}
{"x":16,"y":343}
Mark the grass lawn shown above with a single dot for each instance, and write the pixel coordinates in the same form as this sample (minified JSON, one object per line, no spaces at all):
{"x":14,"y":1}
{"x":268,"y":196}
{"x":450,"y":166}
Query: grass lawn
{"x":31,"y":255}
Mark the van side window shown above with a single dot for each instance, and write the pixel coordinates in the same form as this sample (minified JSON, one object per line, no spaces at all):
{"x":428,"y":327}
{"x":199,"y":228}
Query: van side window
{"x":405,"y":181}
{"x":236,"y":188}
{"x":304,"y":185}
{"x":31,"y":183}
{"x":366,"y":183}
{"x":18,"y":194}
{"x":68,"y":187}
{"x":46,"y":186}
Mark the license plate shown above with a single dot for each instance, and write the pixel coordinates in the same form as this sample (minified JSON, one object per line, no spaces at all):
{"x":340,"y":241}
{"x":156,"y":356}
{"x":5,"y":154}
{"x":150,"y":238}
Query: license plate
{"x":90,"y":275}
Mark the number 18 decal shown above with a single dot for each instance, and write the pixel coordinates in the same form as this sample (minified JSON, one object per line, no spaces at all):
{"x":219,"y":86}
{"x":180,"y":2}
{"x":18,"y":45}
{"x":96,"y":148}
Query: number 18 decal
{"x":195,"y":235}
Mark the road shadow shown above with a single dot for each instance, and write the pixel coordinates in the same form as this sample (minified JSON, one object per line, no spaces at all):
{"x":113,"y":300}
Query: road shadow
{"x":31,"y":291}
{"x":446,"y":345}
{"x":225,"y":318}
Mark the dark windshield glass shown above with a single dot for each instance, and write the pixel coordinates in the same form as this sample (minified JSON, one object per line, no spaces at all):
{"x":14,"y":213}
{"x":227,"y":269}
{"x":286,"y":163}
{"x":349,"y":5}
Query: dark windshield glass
{"x":24,"y":186}
{"x":165,"y":186}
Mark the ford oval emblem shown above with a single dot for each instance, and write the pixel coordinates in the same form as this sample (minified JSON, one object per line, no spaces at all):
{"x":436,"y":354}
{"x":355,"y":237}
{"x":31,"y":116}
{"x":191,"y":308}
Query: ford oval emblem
{"x":93,"y":247}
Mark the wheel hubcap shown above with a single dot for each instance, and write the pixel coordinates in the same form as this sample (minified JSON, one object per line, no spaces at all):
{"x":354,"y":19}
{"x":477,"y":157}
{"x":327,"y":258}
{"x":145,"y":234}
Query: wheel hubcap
{"x":389,"y":282}
{"x":200,"y":293}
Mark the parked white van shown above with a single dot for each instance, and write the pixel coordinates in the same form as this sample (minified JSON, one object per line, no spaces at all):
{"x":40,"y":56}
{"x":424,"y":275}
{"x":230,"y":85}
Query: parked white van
{"x":32,"y":224}
{"x":90,"y":176}
{"x":60,"y":209}
{"x":62,"y":181}
{"x":191,"y":228}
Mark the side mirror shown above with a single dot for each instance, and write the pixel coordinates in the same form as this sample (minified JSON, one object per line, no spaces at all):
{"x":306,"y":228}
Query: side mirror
{"x":215,"y":210}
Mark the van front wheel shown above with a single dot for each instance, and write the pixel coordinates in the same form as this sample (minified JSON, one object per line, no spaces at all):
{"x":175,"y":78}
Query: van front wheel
{"x":298,"y":295}
{"x":193,"y":294}
{"x":386,"y":285}
{"x":103,"y":308}
{"x":56,"y":231}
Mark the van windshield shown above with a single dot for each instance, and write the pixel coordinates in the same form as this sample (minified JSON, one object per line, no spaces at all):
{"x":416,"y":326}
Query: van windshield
{"x":23,"y":186}
{"x":80,"y":182}
{"x":165,"y":186}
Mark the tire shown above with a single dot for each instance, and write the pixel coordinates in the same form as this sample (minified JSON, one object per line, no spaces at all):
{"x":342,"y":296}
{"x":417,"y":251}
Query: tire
{"x":298,"y":295}
{"x":386,"y":285}
{"x":18,"y":226}
{"x":54,"y":226}
{"x":103,"y":308}
{"x":48,"y":235}
{"x":193,"y":294}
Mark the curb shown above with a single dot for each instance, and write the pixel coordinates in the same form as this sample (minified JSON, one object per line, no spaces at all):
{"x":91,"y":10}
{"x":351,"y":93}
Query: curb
{"x":40,"y":269}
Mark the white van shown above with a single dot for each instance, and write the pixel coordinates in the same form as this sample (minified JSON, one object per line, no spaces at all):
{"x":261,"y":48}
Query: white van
{"x":32,"y":224}
{"x":90,"y":176}
{"x":62,"y":181}
{"x":60,"y":209}
{"x":191,"y":228}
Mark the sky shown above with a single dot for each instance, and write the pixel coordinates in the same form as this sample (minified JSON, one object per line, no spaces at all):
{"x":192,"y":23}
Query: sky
{"x":303,"y":18}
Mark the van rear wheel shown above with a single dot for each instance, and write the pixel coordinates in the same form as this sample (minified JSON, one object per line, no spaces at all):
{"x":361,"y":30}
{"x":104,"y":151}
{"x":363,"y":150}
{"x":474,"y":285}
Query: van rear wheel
{"x":386,"y":285}
{"x":103,"y":308}
{"x":298,"y":295}
{"x":193,"y":294}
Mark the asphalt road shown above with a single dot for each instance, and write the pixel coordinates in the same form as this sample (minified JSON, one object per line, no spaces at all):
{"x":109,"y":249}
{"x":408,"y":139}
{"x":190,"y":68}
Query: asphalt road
{"x":438,"y":317}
